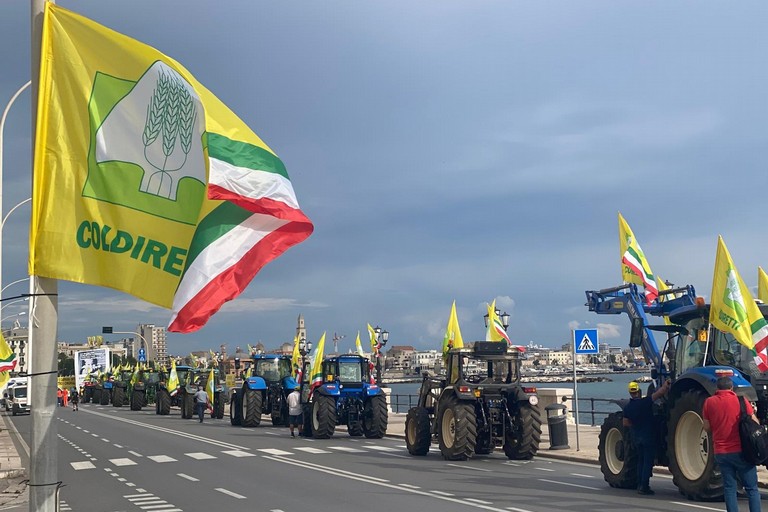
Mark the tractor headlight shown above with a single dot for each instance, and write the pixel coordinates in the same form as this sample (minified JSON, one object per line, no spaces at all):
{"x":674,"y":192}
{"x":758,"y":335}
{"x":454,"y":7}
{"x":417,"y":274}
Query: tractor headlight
{"x":533,"y":400}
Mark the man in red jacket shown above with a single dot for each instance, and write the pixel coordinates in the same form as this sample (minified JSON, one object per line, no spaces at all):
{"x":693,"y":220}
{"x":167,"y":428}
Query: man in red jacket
{"x":721,"y":419}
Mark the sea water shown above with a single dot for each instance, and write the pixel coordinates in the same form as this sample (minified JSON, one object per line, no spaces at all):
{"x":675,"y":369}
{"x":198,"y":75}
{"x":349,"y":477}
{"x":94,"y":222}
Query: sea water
{"x":614,"y":389}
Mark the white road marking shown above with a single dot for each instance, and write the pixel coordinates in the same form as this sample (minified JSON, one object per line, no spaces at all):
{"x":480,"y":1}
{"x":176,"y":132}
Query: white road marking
{"x":382,"y":448}
{"x":105,"y":440}
{"x":134,"y":453}
{"x":139,"y":489}
{"x":310,"y":449}
{"x":121,"y":479}
{"x":275,"y":451}
{"x":144,"y":498}
{"x":410,"y":486}
{"x":95,"y":435}
{"x":545,"y":469}
{"x":469,"y":467}
{"x":515,"y":509}
{"x":187,"y":477}
{"x":230,"y":493}
{"x":441,"y":493}
{"x":86,"y":431}
{"x":569,"y":484}
{"x":474,"y":500}
{"x":161,"y":458}
{"x":346,"y":449}
{"x":113,"y":474}
{"x":77,"y":466}
{"x":695,"y":506}
{"x":200,"y":455}
{"x":92,"y":458}
{"x":108,"y":470}
{"x":119,"y":446}
{"x":130,"y":484}
{"x":582,"y":476}
{"x":143,"y":494}
{"x":239,"y":453}
{"x":122,"y":462}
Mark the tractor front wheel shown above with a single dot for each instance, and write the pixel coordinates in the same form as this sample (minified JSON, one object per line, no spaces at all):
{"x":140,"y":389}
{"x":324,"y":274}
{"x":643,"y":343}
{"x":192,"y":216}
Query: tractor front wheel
{"x":251,"y":407}
{"x":235,"y":410}
{"x":617,"y":454}
{"x":418,"y":435}
{"x":375,"y":417}
{"x":163,"y":400}
{"x":323,"y":416}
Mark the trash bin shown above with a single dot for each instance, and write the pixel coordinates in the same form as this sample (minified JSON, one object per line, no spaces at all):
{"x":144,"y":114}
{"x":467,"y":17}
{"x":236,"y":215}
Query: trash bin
{"x":558,"y":429}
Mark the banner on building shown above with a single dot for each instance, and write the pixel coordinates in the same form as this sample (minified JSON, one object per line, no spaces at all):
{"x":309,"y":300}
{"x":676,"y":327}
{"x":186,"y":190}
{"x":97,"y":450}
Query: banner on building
{"x":91,"y":361}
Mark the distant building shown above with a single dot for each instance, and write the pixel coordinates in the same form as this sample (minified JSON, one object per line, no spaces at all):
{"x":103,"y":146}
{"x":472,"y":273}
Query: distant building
{"x":155,"y":336}
{"x":426,"y":360}
{"x":398,"y":358}
{"x":18,"y":338}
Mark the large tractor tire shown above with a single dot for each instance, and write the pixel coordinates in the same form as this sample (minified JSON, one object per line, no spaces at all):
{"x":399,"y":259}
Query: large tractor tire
{"x":218,"y":406}
{"x":187,"y":406}
{"x":87,"y":394}
{"x":617,"y":454}
{"x":137,"y":400}
{"x":522,"y":442}
{"x":235,"y":410}
{"x":418,"y":435}
{"x":104,"y":400}
{"x":163,"y":402}
{"x":689,"y":448}
{"x":323,"y":416}
{"x":306,"y":420}
{"x":96,"y":396}
{"x":118,"y":396}
{"x":251,"y":407}
{"x":457,"y":430}
{"x":375,"y":417}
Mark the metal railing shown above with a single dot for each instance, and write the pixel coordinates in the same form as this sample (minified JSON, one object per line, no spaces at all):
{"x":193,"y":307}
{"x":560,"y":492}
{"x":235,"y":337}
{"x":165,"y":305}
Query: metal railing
{"x":606,"y":406}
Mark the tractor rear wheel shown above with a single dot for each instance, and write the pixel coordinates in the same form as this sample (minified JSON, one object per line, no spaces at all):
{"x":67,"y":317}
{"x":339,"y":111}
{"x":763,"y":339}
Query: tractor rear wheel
{"x":522,"y":442}
{"x":235,"y":411}
{"x":96,"y":396}
{"x":418,"y":435}
{"x":457,"y":434}
{"x":323,"y":416}
{"x":306,"y":420}
{"x":375,"y":417}
{"x":689,"y":448}
{"x":251,"y":407}
{"x":137,"y":400}
{"x":104,"y":400}
{"x":617,"y":454}
{"x":118,"y":396}
{"x":218,"y":406}
{"x":187,"y":406}
{"x":163,"y":400}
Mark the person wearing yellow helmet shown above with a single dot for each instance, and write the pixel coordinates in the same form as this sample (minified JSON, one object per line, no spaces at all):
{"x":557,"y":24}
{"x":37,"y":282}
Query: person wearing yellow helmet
{"x":638,"y":417}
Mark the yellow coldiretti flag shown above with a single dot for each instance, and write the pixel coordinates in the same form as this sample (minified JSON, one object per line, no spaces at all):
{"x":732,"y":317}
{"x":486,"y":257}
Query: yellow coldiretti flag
{"x":316,"y":374}
{"x":210,"y":387}
{"x":452,"y":338}
{"x":733,"y":309}
{"x":135,"y":376}
{"x":295,"y":358}
{"x":634,"y":265}
{"x":147,"y":183}
{"x":173,"y":379}
{"x":374,"y":339}
{"x":359,"y":346}
{"x":762,"y":285}
{"x":7,"y":361}
{"x":495,"y":330}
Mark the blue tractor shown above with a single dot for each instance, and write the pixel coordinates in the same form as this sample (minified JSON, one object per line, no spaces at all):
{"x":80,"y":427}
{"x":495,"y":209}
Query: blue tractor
{"x":346,"y":397}
{"x":693,"y":356}
{"x":264,"y":392}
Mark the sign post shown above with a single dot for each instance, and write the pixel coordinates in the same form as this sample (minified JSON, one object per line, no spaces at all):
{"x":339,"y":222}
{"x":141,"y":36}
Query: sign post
{"x":584,"y":342}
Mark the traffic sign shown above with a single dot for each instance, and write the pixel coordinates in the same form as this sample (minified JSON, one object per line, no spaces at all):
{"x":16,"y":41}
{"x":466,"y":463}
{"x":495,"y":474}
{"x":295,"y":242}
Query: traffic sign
{"x":585,"y":341}
{"x":142,"y":356}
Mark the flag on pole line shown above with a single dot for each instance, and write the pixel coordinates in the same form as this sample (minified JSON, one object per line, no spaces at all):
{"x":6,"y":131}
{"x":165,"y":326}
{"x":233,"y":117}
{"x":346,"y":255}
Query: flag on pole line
{"x":316,"y":375}
{"x":734,"y":310}
{"x":495,"y":330}
{"x":210,"y":388}
{"x":155,"y":188}
{"x":635,"y":267}
{"x":173,"y":379}
{"x":452,"y":337}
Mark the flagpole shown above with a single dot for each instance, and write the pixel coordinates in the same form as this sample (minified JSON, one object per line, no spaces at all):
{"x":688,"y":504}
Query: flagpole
{"x":43,"y":318}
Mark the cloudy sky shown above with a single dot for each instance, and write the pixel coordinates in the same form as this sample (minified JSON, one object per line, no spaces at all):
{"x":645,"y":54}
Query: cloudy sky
{"x":453,"y":150}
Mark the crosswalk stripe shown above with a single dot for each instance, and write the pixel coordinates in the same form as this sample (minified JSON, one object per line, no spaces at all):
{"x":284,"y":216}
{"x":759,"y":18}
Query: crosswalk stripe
{"x":77,"y":466}
{"x":383,"y":448}
{"x":275,"y":451}
{"x":239,"y":453}
{"x":310,"y":449}
{"x":230,"y":493}
{"x":200,"y":455}
{"x":345,"y":449}
{"x":187,"y":477}
{"x":161,"y":458}
{"x":122,"y":462}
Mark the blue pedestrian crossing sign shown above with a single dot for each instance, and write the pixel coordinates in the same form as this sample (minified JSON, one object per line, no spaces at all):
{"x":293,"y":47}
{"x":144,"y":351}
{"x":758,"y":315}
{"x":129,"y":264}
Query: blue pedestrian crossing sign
{"x":142,"y":356}
{"x":585,"y":341}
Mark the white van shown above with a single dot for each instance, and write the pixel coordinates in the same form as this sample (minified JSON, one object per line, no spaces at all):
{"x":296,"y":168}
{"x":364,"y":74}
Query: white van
{"x":16,"y":399}
{"x":11,"y":382}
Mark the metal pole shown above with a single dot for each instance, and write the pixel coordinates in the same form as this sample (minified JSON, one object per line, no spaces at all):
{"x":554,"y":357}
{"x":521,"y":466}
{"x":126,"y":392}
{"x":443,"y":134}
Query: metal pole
{"x":575,"y":391}
{"x":43,"y":478}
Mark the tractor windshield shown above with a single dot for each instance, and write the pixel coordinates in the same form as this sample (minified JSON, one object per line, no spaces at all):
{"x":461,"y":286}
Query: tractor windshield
{"x":273,"y":370}
{"x":693,"y":346}
{"x":350,"y":372}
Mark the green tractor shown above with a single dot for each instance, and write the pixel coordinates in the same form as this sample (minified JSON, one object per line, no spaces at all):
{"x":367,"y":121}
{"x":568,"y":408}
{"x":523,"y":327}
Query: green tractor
{"x":199,"y":377}
{"x":119,"y":394}
{"x":165,"y":398}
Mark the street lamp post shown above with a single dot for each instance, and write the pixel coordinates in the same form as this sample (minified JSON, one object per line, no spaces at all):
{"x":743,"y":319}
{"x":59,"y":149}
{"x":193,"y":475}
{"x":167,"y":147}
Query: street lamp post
{"x":382,"y":336}
{"x":305,"y":347}
{"x":108,"y":330}
{"x":504,"y":317}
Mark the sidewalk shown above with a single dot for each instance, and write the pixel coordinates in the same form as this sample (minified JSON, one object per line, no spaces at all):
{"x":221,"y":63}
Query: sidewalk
{"x":13,"y":486}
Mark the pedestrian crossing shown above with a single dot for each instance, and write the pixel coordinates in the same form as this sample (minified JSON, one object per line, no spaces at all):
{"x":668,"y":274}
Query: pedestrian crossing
{"x":165,"y":459}
{"x":148,"y":501}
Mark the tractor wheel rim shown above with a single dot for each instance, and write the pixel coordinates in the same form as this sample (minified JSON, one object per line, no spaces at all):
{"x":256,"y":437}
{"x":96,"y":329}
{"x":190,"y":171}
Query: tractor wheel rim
{"x":614,"y":451}
{"x":691,"y":446}
{"x":449,"y":428}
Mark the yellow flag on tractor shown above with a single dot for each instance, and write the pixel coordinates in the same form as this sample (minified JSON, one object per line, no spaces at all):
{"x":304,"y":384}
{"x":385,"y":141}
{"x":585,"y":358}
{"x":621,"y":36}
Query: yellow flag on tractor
{"x":296,"y":359}
{"x":359,"y":346}
{"x":210,"y":387}
{"x":316,"y":375}
{"x":173,"y":379}
{"x":662,"y":286}
{"x":145,"y":181}
{"x":734,"y":310}
{"x":634,"y":265}
{"x":452,"y":337}
{"x":7,"y":361}
{"x":762,"y":285}
{"x":495,"y":330}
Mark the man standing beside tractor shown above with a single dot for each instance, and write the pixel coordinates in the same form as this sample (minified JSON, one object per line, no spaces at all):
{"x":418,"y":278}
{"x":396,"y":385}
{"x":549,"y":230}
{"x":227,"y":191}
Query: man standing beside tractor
{"x":294,"y":410}
{"x":201,"y":402}
{"x":638,"y":416}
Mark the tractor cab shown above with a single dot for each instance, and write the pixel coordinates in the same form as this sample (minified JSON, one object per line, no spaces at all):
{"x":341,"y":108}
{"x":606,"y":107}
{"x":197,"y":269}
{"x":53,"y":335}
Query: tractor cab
{"x":272,"y":369}
{"x":348,"y":371}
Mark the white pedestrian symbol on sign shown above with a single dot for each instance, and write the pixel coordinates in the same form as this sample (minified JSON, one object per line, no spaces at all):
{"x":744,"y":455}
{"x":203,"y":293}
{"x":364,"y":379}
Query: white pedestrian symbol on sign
{"x":586,"y":344}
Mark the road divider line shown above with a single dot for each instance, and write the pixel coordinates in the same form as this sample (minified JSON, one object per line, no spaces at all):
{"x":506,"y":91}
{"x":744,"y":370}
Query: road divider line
{"x":695,"y":506}
{"x":470,"y":467}
{"x":230,"y":493}
{"x":187,"y":477}
{"x":569,"y":484}
{"x":186,"y":435}
{"x":375,"y":481}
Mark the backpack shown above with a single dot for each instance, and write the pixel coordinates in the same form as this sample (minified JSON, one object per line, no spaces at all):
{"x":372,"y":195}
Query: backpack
{"x":754,"y":437}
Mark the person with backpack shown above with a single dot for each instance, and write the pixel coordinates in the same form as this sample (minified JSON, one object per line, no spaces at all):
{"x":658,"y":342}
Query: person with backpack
{"x":721,"y":415}
{"x":75,"y":399}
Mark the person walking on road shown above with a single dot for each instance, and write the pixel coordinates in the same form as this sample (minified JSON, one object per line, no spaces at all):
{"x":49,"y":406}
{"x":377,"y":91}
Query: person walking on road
{"x":721,"y":419}
{"x":75,"y":399}
{"x":638,"y":416}
{"x":60,"y":397}
{"x":201,"y":402}
{"x":294,"y":410}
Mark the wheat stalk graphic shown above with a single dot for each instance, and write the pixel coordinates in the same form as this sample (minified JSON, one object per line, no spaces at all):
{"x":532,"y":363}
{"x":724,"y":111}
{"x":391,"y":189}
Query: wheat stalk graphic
{"x":171,"y":116}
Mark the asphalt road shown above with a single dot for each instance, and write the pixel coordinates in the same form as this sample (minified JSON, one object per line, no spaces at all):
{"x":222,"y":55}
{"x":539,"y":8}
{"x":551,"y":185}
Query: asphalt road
{"x":114,"y":459}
